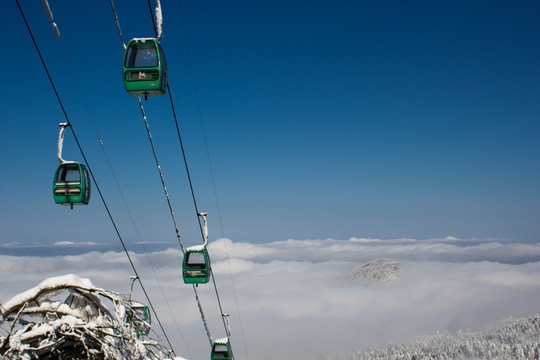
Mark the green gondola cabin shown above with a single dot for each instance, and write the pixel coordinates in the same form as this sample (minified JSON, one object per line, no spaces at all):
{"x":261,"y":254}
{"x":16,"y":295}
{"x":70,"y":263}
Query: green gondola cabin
{"x":196,"y":265}
{"x":71,"y":185}
{"x":139,"y":317}
{"x":221,"y":350}
{"x":144,"y":68}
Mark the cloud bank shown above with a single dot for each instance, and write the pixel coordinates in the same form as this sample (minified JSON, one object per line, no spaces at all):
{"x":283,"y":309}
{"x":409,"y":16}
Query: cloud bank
{"x":296,"y":300}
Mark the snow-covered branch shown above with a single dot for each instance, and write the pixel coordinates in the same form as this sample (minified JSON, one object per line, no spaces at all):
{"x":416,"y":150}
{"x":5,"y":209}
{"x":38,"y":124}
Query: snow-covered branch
{"x":67,"y":317}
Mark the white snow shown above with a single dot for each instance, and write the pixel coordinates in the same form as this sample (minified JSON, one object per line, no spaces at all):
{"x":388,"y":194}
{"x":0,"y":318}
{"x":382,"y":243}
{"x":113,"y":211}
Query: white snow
{"x":35,"y":323}
{"x":159,"y":20}
{"x":47,"y":9}
{"x":378,"y":271}
{"x":222,"y":341}
{"x":47,"y":285}
{"x":56,"y":306}
{"x":205,"y":228}
{"x":56,"y":31}
{"x":143,"y":39}
{"x":506,"y":339}
{"x":196,"y":248}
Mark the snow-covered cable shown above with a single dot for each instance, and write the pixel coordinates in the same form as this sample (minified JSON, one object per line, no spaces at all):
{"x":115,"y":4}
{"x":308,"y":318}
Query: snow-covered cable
{"x":190,"y":60}
{"x":47,"y":9}
{"x":226,"y":317}
{"x":172,"y":214}
{"x":51,"y":17}
{"x":202,"y":316}
{"x":56,"y":31}
{"x":118,"y":25}
{"x":178,"y":236}
{"x":191,"y":188}
{"x":106,"y":156}
{"x":88,"y":165}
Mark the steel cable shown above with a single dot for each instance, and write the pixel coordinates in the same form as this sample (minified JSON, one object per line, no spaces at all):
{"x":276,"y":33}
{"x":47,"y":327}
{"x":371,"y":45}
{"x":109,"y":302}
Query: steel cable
{"x":90,"y":171}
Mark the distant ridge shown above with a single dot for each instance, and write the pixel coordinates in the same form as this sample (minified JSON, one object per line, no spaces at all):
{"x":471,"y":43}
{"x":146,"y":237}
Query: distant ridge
{"x":509,"y":339}
{"x":378,"y":271}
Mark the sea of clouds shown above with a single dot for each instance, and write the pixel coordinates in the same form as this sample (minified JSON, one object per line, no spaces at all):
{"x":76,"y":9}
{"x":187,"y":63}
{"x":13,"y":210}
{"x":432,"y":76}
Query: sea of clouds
{"x":295,"y":299}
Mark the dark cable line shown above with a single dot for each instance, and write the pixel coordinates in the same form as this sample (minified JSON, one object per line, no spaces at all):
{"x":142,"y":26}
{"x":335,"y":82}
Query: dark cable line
{"x":199,"y":305}
{"x":152,"y":17}
{"x":178,"y":133}
{"x":158,"y":166}
{"x":185,"y":160}
{"x":189,"y":179}
{"x":163,"y":180}
{"x":179,"y":237}
{"x":117,"y":182}
{"x":91,"y":172}
{"x":203,"y":317}
{"x":189,"y":176}
{"x":122,"y":194}
{"x":197,"y":98}
{"x":185,"y":164}
{"x":222,"y":315}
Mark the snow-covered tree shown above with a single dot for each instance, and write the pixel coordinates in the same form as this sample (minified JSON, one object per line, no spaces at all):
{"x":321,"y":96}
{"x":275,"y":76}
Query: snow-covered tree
{"x":67,"y":317}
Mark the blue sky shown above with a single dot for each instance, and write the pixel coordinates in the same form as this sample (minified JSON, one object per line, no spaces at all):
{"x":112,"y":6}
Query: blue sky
{"x":364,"y":120}
{"x":323,"y":120}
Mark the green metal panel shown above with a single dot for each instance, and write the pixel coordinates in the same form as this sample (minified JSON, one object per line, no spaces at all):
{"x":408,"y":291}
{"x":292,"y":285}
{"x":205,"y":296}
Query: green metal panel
{"x":145,"y":68}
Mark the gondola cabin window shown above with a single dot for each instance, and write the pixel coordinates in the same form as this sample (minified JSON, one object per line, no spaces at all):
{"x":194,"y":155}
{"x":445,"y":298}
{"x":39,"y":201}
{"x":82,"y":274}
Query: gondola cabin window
{"x":144,"y":55}
{"x":69,"y":173}
{"x":195,"y":260}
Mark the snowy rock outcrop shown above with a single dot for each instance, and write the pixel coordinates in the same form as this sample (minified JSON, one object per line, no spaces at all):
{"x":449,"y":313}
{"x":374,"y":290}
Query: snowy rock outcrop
{"x":377,"y":271}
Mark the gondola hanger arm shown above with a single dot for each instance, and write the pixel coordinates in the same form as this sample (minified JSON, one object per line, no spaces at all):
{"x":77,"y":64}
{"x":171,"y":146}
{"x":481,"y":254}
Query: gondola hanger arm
{"x":159,"y":21}
{"x":205,"y":228}
{"x":61,"y":141}
{"x":228,"y":324}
